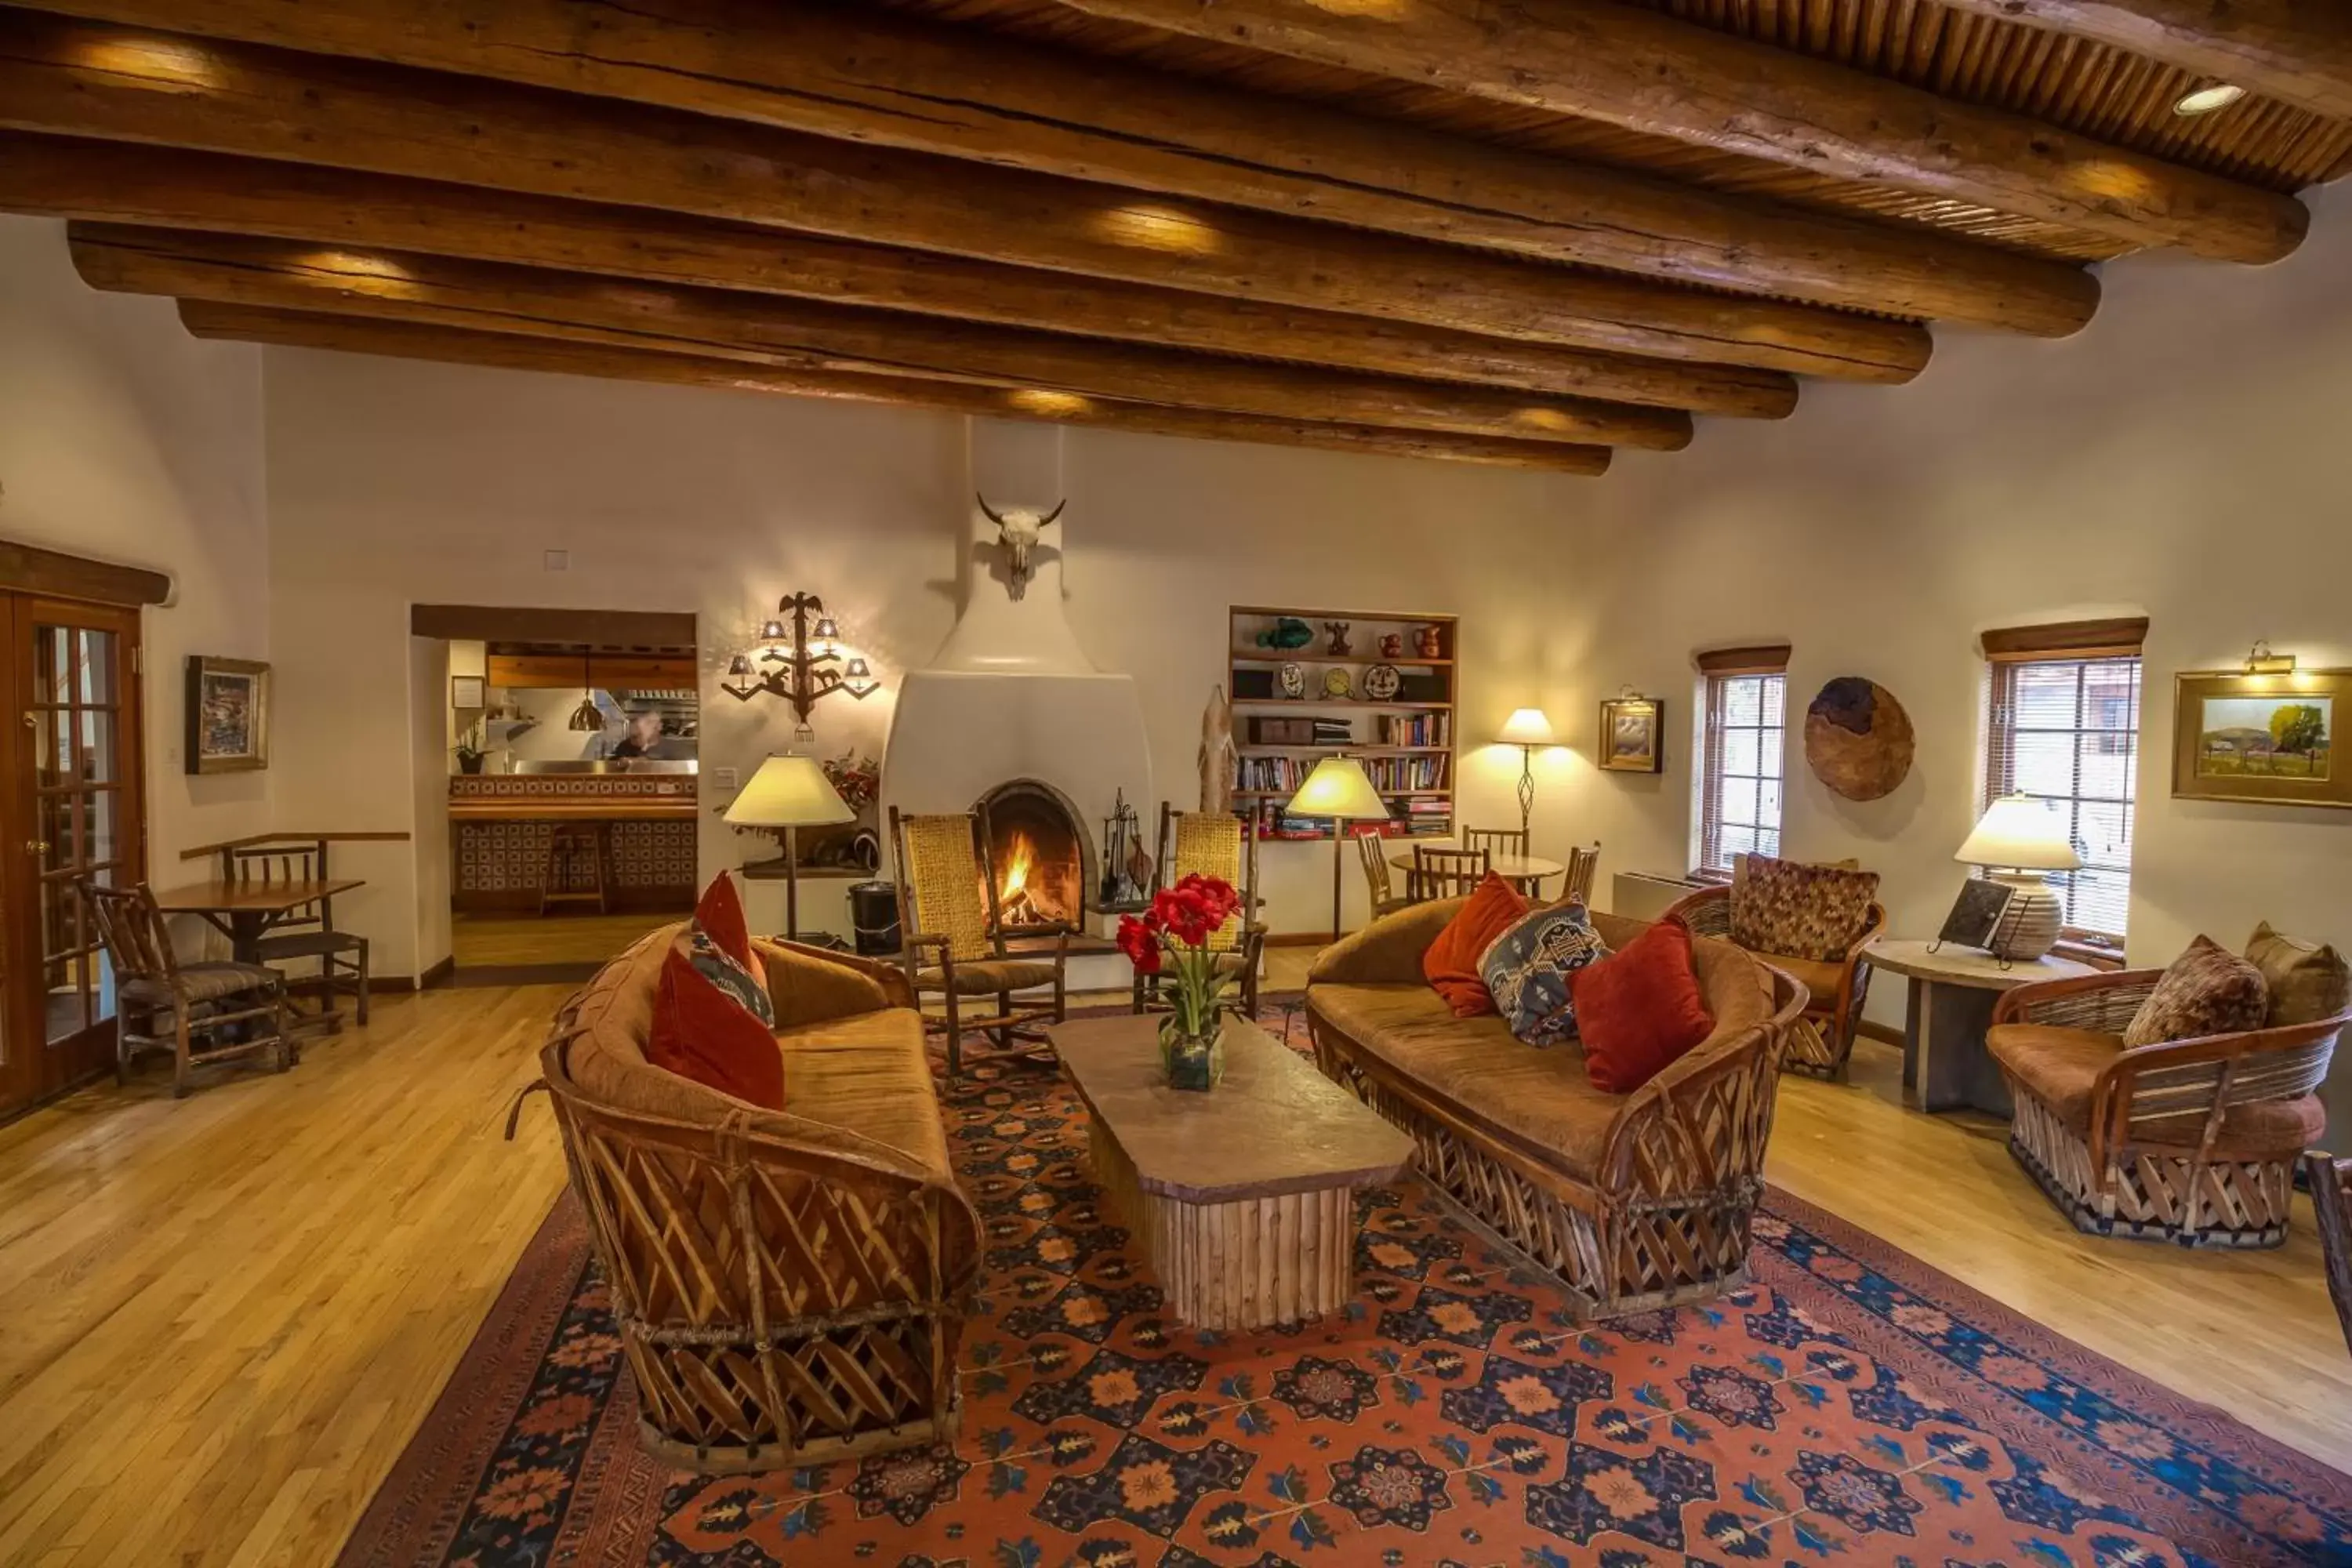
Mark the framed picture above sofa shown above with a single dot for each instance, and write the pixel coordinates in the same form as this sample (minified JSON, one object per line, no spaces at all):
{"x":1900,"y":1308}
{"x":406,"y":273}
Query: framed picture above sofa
{"x":1632,"y":734}
{"x":2267,"y":739}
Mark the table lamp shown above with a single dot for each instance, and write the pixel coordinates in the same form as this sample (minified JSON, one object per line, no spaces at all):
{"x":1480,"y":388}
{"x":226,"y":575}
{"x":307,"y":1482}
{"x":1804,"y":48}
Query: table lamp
{"x":2019,"y":841}
{"x":1527,"y":729}
{"x":1339,"y":789}
{"x":789,"y":792}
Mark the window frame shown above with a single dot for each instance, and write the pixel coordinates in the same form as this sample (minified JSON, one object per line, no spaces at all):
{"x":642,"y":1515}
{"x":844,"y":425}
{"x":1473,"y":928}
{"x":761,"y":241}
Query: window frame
{"x":1718,"y":671}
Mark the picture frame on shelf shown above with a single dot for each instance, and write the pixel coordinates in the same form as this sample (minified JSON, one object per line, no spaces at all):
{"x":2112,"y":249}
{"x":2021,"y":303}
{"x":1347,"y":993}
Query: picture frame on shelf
{"x":1632,"y":734}
{"x":228,"y":715}
{"x":2260,"y":740}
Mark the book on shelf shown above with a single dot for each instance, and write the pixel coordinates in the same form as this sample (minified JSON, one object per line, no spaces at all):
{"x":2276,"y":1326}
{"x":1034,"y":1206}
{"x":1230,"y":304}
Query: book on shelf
{"x":1417,"y":729}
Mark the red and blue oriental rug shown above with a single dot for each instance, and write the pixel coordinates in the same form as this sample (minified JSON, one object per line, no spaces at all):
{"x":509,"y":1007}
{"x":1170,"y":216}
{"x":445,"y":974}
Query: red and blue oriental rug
{"x":1851,"y":1408}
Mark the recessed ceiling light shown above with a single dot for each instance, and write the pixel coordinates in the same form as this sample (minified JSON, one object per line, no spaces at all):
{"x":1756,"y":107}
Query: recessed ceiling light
{"x":2206,"y":99}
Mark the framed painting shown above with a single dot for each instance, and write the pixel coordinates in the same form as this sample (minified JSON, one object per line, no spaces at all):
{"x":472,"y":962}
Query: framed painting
{"x":228,"y":715}
{"x":468,"y":691}
{"x":1633,"y":731}
{"x":2266,"y":740}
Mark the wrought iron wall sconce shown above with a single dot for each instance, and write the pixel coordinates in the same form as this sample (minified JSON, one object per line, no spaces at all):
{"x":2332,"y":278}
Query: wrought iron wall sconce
{"x":796,"y":661}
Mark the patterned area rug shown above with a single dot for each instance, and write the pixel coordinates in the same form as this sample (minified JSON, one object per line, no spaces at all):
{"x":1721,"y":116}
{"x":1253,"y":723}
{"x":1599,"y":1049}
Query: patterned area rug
{"x":1851,"y":1408}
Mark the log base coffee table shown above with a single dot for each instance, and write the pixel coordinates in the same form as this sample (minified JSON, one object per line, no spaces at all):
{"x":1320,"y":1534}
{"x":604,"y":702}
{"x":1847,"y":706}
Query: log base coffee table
{"x":1244,"y":1197}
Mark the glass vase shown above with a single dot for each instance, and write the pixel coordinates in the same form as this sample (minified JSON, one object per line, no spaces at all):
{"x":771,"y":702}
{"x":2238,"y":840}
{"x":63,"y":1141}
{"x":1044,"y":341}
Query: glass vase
{"x":1195,"y":1062}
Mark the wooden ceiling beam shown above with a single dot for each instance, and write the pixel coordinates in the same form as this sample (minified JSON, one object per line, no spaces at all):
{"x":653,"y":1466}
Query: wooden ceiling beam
{"x":68,"y":78}
{"x":802,"y":335}
{"x":852,"y":72}
{"x":1655,"y":74}
{"x":2296,"y":51}
{"x":123,"y":183}
{"x":451,"y":345}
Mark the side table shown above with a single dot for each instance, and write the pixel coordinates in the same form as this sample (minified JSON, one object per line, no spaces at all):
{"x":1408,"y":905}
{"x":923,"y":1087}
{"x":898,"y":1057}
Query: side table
{"x":1953,"y":991}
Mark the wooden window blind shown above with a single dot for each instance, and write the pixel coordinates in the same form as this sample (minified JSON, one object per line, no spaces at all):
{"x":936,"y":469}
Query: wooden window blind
{"x":2061,"y":724}
{"x":1741,"y":760}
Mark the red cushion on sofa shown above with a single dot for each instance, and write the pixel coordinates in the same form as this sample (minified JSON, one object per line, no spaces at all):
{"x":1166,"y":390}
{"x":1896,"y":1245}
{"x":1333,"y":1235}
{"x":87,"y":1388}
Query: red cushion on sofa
{"x":700,"y":1032}
{"x":1639,"y":1010}
{"x":1451,"y":964}
{"x":719,"y":913}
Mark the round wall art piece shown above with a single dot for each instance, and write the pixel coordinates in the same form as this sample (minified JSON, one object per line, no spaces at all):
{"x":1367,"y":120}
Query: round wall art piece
{"x":1858,"y":739}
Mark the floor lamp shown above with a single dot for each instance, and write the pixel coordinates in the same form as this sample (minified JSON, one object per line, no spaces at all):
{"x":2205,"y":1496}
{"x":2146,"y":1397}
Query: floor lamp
{"x":1339,"y":789}
{"x":1527,"y":729}
{"x":790,"y":792}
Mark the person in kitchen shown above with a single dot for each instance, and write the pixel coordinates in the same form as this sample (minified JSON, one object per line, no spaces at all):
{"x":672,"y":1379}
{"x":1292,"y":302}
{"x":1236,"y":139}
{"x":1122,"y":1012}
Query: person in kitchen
{"x":642,"y":738}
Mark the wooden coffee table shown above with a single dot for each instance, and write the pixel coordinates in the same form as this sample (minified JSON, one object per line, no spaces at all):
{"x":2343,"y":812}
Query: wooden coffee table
{"x":1244,"y":1197}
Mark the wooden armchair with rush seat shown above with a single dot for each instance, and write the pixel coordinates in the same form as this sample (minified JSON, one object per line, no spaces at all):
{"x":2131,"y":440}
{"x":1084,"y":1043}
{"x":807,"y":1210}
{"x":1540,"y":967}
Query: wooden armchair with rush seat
{"x":1212,"y":844}
{"x":1823,"y":1038}
{"x":954,"y":935}
{"x":201,"y":1013}
{"x":307,"y":933}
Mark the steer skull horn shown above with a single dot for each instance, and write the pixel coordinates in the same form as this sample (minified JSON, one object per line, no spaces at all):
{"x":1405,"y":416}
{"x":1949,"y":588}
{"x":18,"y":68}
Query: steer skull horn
{"x":1017,"y":528}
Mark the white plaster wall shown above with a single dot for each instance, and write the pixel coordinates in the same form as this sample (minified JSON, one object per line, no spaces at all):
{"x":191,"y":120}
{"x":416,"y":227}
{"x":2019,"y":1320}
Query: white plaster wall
{"x":125,"y":439}
{"x":392,"y":482}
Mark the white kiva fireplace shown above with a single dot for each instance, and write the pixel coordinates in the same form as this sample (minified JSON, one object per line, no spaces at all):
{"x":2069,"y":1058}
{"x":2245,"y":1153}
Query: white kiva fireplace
{"x":1012,"y":715}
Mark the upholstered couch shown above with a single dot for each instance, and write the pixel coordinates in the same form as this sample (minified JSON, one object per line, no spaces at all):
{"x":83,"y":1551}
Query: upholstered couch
{"x":791,"y":1286}
{"x":1636,"y":1200}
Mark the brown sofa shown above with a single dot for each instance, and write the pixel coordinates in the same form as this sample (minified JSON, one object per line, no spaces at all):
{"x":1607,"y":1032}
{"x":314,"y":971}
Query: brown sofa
{"x":1636,"y":1200}
{"x":791,"y":1286}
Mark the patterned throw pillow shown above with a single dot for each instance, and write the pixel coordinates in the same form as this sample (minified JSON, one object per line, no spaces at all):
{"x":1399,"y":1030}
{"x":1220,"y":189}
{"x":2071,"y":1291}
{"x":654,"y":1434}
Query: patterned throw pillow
{"x":745,"y":988}
{"x":1526,"y":968}
{"x":2209,"y":990}
{"x":1803,"y":911}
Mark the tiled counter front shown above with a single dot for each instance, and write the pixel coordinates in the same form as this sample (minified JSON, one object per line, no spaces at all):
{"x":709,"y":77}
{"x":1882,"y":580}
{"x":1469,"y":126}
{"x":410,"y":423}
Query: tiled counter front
{"x":499,"y":827}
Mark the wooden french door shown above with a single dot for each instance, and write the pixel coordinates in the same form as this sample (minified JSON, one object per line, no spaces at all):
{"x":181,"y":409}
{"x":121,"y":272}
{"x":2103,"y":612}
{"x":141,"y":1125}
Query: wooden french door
{"x":70,"y":808}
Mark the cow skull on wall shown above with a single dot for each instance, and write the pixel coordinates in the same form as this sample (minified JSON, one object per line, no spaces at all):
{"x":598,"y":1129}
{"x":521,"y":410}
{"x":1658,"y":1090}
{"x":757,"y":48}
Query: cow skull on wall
{"x":1017,"y":527}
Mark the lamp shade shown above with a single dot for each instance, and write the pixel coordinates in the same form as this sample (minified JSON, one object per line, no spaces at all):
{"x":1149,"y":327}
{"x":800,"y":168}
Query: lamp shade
{"x":789,"y":791}
{"x":2020,"y":831}
{"x":1338,"y":787}
{"x":1527,"y":727}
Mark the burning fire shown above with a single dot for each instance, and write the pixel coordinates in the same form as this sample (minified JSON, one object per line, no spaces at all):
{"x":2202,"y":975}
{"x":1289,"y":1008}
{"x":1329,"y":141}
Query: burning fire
{"x":1018,"y":906}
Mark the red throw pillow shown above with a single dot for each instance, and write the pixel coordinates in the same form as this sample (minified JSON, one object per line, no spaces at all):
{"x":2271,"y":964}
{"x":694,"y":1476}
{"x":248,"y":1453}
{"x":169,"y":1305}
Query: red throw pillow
{"x":1638,"y":1011}
{"x":700,"y":1032}
{"x":721,"y":914}
{"x":1451,"y":964}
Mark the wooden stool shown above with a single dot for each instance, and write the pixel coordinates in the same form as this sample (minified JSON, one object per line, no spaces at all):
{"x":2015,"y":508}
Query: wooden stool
{"x":566,"y":843}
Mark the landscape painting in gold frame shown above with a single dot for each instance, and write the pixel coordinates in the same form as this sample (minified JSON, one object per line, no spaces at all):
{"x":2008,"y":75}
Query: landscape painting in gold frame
{"x":2266,"y":740}
{"x":1631,"y":731}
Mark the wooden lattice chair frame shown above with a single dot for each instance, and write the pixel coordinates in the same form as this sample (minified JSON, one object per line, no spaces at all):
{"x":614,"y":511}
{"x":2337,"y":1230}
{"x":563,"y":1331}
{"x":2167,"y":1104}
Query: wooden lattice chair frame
{"x":954,"y":935}
{"x":1666,"y":1218}
{"x":2152,"y":1166}
{"x":1379,"y":887}
{"x":2331,"y":1206}
{"x":1213,"y":844}
{"x":201,"y":1013}
{"x":1822,"y":1041}
{"x":789,"y":1292}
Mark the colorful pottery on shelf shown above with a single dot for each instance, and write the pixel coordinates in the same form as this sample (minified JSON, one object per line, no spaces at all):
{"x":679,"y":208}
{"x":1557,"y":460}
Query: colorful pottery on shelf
{"x":1382,"y":683}
{"x":1291,"y":681}
{"x":1337,"y":685}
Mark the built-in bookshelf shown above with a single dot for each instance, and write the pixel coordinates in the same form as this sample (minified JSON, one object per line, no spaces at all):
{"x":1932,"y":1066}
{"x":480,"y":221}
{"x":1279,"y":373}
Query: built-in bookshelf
{"x":1405,"y":739}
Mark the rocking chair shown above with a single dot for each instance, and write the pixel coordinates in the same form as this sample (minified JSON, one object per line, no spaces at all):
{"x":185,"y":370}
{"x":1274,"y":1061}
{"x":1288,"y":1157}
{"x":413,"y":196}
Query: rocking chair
{"x":954,"y":932}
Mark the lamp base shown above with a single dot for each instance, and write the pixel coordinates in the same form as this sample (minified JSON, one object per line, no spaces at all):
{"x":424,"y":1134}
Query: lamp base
{"x":2029,"y":928}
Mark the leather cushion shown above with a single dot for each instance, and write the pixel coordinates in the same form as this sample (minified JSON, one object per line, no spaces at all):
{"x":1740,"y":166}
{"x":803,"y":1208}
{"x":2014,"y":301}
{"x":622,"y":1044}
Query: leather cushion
{"x":2060,"y":1068}
{"x":868,"y":1076}
{"x":1451,"y":963}
{"x":704,"y":1033}
{"x":1638,"y":1011}
{"x":986,"y":976}
{"x":2308,"y":982}
{"x":2208,"y":990}
{"x":1816,"y":975}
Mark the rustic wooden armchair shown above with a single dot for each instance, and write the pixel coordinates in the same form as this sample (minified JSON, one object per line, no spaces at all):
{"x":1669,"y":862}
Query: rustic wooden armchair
{"x":1822,"y":1040}
{"x":1385,"y":899}
{"x":2331,"y":1204}
{"x":1213,"y":844}
{"x":201,"y":1013}
{"x":1583,"y":861}
{"x":2192,"y":1142}
{"x":307,"y":933}
{"x":954,"y":936}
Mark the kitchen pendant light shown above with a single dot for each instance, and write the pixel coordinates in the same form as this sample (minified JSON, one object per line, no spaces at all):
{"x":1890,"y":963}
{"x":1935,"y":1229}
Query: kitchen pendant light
{"x":587,"y":718}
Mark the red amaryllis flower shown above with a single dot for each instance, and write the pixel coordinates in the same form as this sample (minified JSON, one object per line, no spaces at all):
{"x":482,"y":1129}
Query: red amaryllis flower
{"x":1194,"y":908}
{"x":1139,"y":940}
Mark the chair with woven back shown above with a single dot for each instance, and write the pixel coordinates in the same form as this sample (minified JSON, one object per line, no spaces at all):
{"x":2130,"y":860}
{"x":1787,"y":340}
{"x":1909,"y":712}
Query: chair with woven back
{"x":955,"y":934}
{"x":1212,"y":844}
{"x":309,"y":932}
{"x":201,"y":1013}
{"x":2331,"y":1205}
{"x":1443,"y":871}
{"x":1379,"y":887}
{"x":1822,"y":1041}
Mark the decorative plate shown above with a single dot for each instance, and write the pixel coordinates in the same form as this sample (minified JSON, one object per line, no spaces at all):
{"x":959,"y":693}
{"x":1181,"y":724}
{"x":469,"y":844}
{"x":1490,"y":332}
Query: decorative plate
{"x":1382,"y":683}
{"x":1291,"y":681}
{"x":1858,"y":740}
{"x":1337,"y":684}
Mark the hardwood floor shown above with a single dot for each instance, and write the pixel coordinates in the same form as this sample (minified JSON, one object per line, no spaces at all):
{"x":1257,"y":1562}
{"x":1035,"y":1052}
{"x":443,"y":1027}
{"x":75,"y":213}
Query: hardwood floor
{"x":502,"y":942}
{"x":222,"y":1318}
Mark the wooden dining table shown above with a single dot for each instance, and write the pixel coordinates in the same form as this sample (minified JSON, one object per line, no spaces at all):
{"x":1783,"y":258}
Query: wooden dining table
{"x":1526,"y":872}
{"x":244,"y":912}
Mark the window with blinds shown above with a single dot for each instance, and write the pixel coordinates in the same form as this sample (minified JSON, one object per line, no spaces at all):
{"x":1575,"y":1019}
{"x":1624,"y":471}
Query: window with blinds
{"x":1746,"y":706}
{"x":2061,"y":724}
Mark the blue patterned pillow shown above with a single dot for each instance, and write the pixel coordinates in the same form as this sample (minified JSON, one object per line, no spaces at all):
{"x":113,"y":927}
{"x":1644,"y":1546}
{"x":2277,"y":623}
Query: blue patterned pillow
{"x":1526,"y":968}
{"x":747,"y":989}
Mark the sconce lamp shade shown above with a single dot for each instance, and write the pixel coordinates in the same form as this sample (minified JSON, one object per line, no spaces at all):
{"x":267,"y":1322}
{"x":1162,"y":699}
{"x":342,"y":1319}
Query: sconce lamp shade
{"x":789,"y":791}
{"x":1527,"y":727}
{"x":1339,"y":788}
{"x":2020,"y":831}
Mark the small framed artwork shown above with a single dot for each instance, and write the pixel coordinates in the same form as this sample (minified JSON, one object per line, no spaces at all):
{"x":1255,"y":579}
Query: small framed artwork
{"x":2267,"y":739}
{"x":1633,"y":731}
{"x":468,"y":691}
{"x":228,"y":715}
{"x":1976,"y":914}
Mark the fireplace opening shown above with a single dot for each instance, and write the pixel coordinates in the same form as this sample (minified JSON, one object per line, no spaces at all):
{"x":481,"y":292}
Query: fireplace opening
{"x":1040,"y":855}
